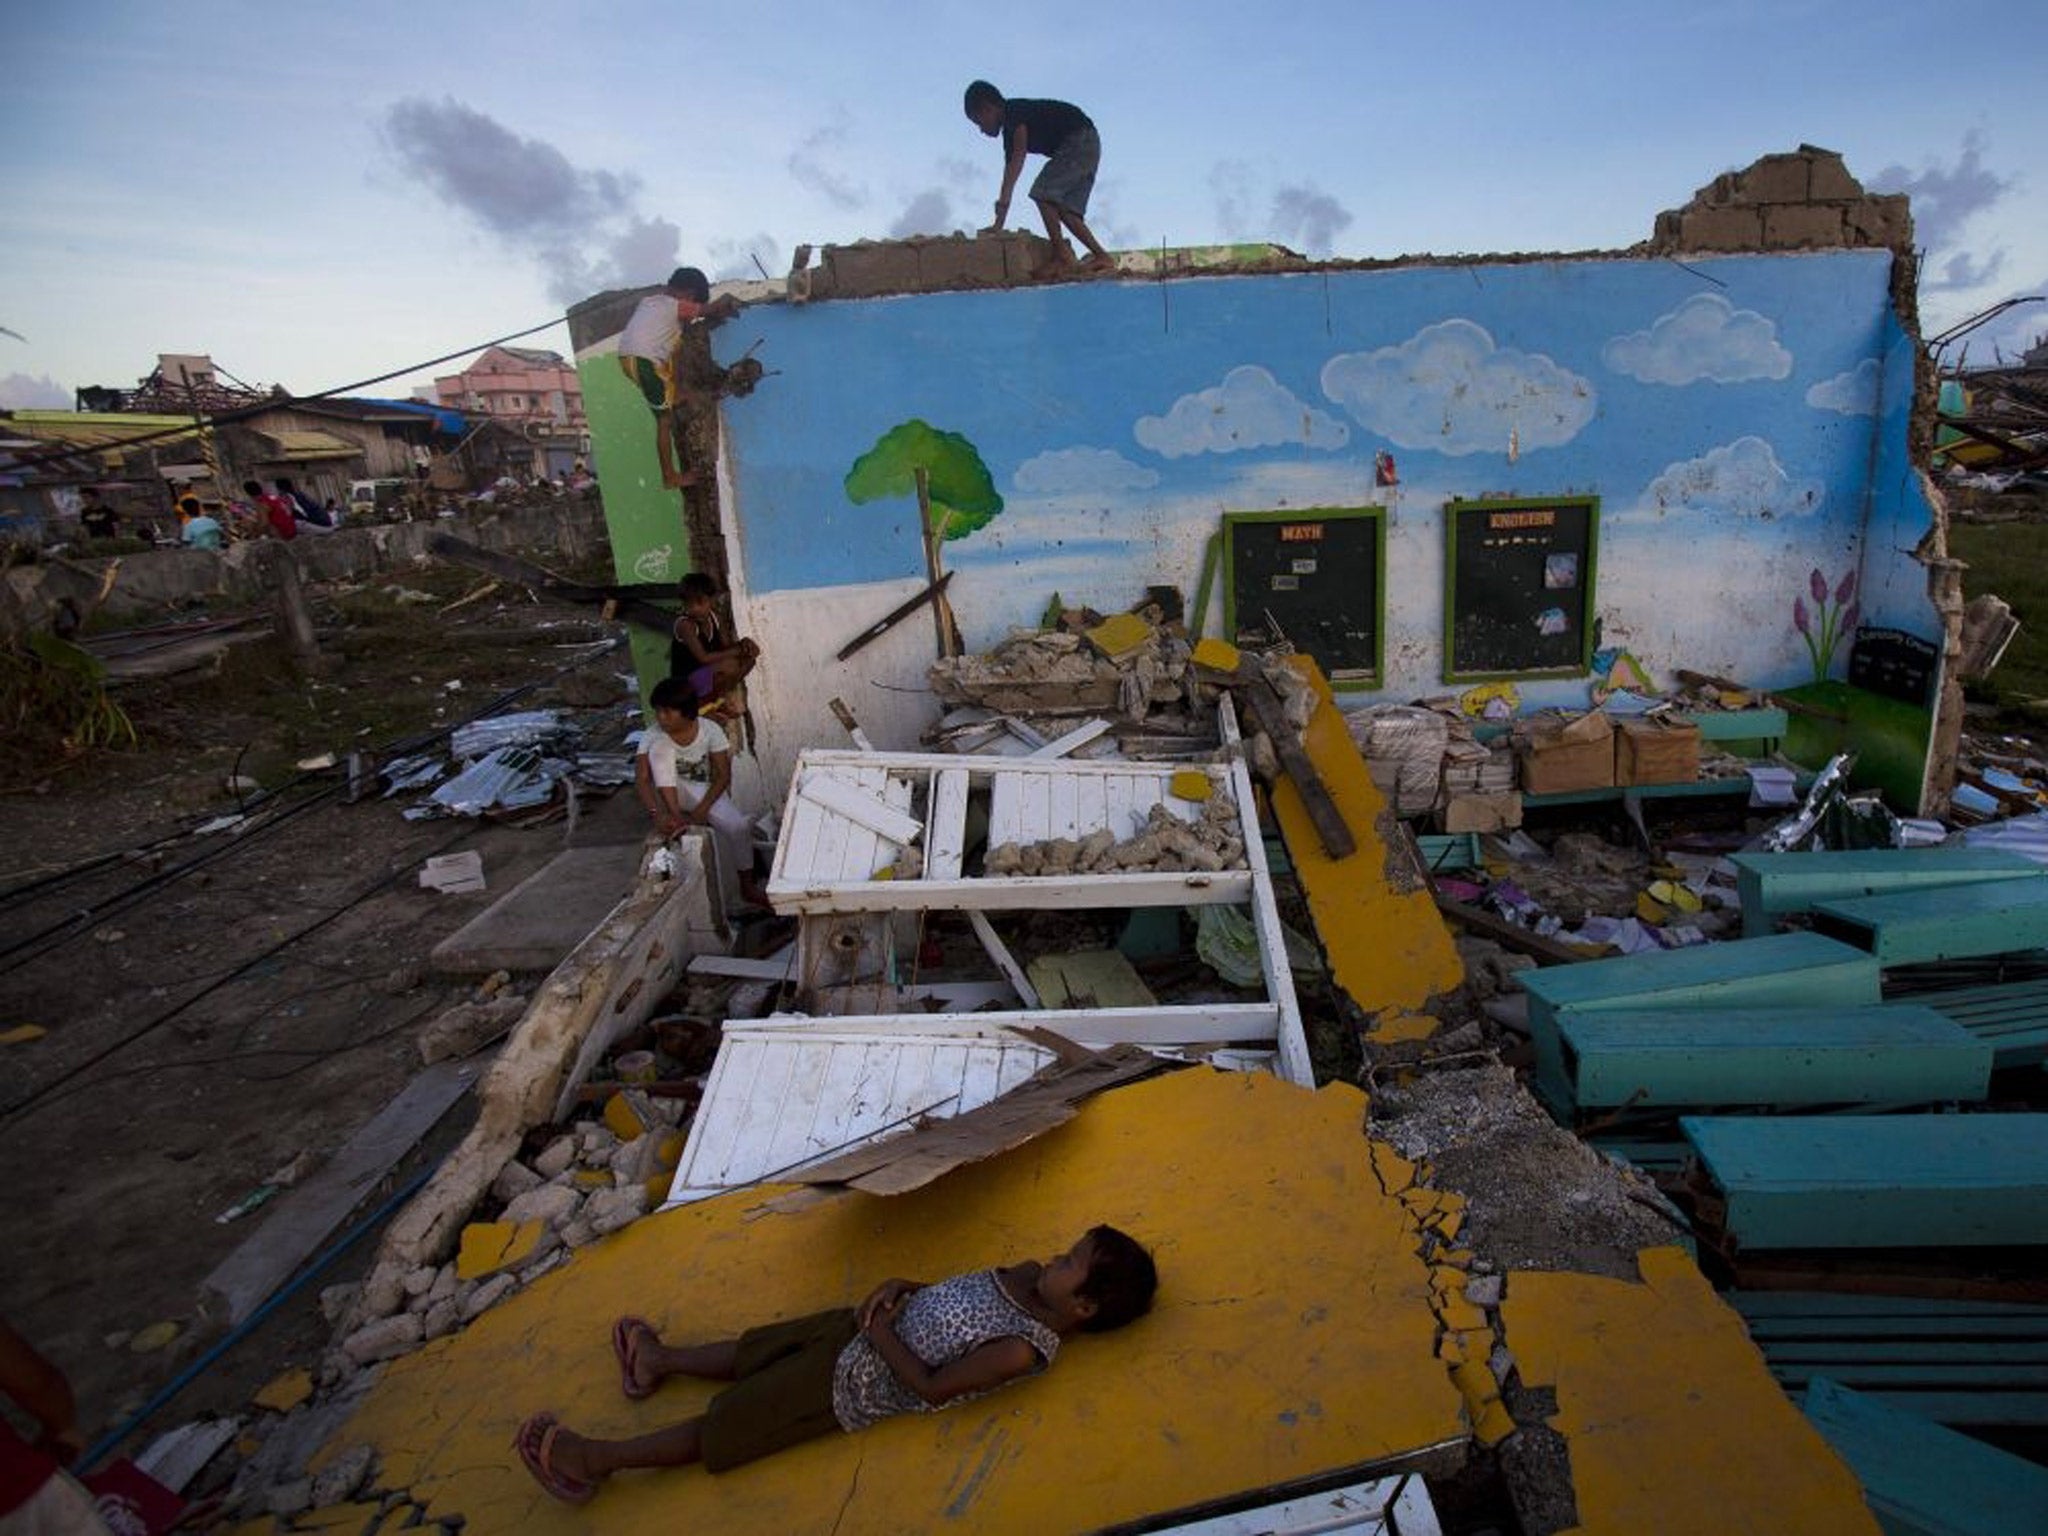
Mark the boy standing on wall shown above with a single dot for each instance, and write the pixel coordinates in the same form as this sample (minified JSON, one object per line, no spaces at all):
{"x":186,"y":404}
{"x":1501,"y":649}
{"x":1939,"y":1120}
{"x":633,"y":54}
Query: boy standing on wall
{"x":1061,"y":132}
{"x":650,"y":350}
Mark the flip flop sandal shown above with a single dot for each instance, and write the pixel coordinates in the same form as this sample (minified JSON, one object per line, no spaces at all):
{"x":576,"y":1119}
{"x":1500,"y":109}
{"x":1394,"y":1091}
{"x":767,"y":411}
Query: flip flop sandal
{"x":624,"y":1331}
{"x":535,"y":1443}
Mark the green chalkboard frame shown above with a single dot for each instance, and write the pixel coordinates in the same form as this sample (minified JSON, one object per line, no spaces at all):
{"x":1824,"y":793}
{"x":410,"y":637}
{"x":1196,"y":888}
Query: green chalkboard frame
{"x":1346,"y":680}
{"x":1588,"y":578}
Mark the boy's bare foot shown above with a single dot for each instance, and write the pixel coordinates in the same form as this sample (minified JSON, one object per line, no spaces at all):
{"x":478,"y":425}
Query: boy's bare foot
{"x":1101,"y":263}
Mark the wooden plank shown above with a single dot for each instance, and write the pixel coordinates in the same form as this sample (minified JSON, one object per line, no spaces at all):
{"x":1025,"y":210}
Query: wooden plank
{"x":2012,"y":1017}
{"x":1919,"y":1476}
{"x":1890,"y":1181}
{"x":1775,"y":885}
{"x":1078,"y":737}
{"x":1777,"y":1056}
{"x":1546,"y":951}
{"x":1005,"y":961}
{"x":779,"y":968}
{"x":1063,"y":810}
{"x":1986,"y":918}
{"x":1005,"y":813}
{"x":946,"y":841}
{"x":1187,"y":1024}
{"x":301,"y":1219}
{"x":1159,"y":888}
{"x":796,"y":854}
{"x":1289,"y":1035}
{"x":1271,"y":715}
{"x":859,"y":806}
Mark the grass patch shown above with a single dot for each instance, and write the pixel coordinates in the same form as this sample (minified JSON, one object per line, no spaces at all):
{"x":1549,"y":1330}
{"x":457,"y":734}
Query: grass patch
{"x":2010,"y":560}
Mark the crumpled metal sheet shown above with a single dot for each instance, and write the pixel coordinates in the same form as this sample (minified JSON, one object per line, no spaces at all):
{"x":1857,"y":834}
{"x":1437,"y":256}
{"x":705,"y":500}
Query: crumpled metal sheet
{"x":509,"y":777}
{"x":405,"y":773}
{"x":526,"y":728}
{"x":2024,"y":835}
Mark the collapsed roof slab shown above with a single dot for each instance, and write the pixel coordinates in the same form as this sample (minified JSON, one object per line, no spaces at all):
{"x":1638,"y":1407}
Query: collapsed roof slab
{"x":1293,"y":1335}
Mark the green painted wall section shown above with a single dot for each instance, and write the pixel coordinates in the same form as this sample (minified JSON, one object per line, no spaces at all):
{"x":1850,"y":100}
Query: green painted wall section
{"x":644,"y":518}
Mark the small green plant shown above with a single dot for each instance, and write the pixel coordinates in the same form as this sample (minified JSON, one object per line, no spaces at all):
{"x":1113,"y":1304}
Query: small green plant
{"x":51,"y":687}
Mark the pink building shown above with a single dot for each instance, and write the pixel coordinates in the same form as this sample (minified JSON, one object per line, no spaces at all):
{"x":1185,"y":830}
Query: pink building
{"x":517,"y":384}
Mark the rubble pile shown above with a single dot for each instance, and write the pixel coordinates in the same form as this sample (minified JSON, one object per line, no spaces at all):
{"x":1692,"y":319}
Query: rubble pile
{"x":587,"y":1182}
{"x":1165,"y":843}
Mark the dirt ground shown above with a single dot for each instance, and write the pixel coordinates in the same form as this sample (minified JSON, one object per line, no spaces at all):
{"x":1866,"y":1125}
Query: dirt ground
{"x":217,"y":1005}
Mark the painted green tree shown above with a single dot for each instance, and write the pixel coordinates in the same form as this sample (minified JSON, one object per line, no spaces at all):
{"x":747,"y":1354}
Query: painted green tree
{"x":955,"y":493}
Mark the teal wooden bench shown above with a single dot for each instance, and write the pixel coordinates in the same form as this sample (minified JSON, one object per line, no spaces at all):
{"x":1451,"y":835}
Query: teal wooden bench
{"x":1956,"y":922}
{"x":1878,"y":1181}
{"x":1786,"y":970}
{"x":2011,"y":1017}
{"x":1775,"y":885}
{"x":1777,"y":1057}
{"x":1951,"y":1360}
{"x":1919,"y":1477}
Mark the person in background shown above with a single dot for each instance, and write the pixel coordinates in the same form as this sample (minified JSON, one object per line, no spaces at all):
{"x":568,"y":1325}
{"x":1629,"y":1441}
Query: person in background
{"x":277,"y":512}
{"x":304,"y":508}
{"x":97,"y":518}
{"x":195,"y":529}
{"x":649,"y":352}
{"x":37,"y":1496}
{"x":698,"y":649}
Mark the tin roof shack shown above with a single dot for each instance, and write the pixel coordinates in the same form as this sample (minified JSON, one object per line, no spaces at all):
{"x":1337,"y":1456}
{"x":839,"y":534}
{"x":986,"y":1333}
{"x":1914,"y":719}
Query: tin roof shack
{"x":50,"y":459}
{"x":1711,"y":463}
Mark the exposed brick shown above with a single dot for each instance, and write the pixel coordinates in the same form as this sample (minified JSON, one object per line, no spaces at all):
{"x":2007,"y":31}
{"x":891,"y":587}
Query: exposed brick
{"x":1721,"y":229}
{"x":1806,"y":226}
{"x":1776,"y":179}
{"x":958,"y":262}
{"x":886,"y":266}
{"x":1828,"y":179}
{"x":1880,"y":221}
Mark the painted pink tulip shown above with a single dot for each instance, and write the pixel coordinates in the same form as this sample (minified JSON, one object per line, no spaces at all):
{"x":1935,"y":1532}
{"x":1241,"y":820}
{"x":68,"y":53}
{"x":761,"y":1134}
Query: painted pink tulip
{"x":1846,"y":587}
{"x":1817,"y":584}
{"x":1800,"y":621}
{"x":1849,"y":617}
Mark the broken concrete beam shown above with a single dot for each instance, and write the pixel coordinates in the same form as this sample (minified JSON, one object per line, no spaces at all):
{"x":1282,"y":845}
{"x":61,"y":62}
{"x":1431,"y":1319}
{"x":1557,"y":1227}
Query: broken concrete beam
{"x":468,"y":1027}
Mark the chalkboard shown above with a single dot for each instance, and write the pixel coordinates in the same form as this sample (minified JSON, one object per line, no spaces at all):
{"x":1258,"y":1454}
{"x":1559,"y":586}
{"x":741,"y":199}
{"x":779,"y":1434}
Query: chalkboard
{"x":1893,"y":663}
{"x":1519,"y":588}
{"x":1317,"y":576}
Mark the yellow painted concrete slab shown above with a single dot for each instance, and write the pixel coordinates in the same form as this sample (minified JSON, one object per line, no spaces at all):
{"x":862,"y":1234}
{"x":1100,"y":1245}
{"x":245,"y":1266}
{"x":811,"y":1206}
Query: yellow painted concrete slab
{"x":1387,"y":943}
{"x":1293,"y":1334}
{"x":1674,"y":1423}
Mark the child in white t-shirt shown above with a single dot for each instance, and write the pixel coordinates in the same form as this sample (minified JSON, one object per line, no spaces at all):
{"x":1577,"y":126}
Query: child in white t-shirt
{"x":681,"y":741}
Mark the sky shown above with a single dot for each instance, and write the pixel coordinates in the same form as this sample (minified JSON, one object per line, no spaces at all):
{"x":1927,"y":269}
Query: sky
{"x":316,"y":196}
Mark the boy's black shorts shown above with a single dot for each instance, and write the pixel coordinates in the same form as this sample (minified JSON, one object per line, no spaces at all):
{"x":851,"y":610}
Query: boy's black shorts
{"x":783,"y":1394}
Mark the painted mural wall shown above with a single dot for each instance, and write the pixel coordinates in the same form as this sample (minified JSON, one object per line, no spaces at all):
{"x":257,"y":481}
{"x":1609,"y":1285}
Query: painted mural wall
{"x":1740,"y":420}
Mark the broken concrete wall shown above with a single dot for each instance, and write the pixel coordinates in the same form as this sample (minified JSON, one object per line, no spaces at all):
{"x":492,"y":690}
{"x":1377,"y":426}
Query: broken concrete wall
{"x":1093,"y":435}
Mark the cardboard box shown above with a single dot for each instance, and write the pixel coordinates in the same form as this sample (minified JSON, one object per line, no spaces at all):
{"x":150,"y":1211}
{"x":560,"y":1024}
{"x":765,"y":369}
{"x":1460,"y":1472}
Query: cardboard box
{"x":1655,"y":750}
{"x":1561,"y":756}
{"x":1482,"y":813}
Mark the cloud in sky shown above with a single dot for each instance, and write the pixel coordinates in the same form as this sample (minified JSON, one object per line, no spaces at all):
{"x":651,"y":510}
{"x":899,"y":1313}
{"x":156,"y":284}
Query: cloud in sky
{"x":33,"y":392}
{"x":584,"y":227}
{"x":1079,"y":471}
{"x":1451,"y":388}
{"x":1705,"y":338}
{"x":815,"y":165}
{"x":1249,"y":409}
{"x":1852,"y":393}
{"x":930,"y":212}
{"x":1740,"y":479}
{"x":1946,"y":197}
{"x":1298,"y":214}
{"x":731,"y":258}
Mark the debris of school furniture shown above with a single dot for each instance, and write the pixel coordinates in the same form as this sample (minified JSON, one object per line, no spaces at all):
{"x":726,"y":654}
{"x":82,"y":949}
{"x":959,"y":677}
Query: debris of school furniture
{"x":1922,"y":1479}
{"x":2011,"y":1017}
{"x":1656,"y":749}
{"x":1784,"y":970}
{"x":1776,"y":885}
{"x":1877,"y":1181}
{"x":1956,"y":1360}
{"x":1280,"y":701}
{"x":1561,"y":756}
{"x":1985,"y":918}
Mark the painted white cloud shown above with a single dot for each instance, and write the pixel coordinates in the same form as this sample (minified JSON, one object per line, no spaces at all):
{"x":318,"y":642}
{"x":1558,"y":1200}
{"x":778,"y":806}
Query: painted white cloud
{"x":1853,"y":393}
{"x":1249,"y":409}
{"x":1707,"y":338}
{"x":1451,"y":388}
{"x":1078,"y":471}
{"x":1740,"y":479}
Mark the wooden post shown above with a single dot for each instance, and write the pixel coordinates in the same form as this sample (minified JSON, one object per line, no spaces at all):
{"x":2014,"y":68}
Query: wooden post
{"x":294,"y":618}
